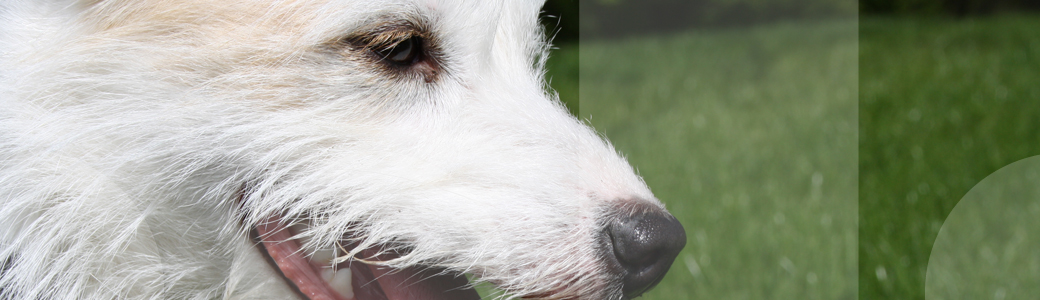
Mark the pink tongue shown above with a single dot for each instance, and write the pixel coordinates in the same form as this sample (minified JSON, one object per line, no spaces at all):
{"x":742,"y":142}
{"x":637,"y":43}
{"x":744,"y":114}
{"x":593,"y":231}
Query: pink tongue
{"x":406,"y":284}
{"x":422,"y":284}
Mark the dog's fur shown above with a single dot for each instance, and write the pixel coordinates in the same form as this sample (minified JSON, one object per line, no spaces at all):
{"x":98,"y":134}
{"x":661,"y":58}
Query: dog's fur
{"x":141,"y":140}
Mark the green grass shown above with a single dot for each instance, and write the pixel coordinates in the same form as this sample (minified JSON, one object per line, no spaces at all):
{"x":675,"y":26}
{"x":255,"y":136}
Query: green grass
{"x":749,"y":137}
{"x":820,"y":160}
{"x":943,"y":103}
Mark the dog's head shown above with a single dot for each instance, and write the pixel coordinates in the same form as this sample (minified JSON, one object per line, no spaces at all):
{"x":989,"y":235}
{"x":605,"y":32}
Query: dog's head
{"x":372,"y":150}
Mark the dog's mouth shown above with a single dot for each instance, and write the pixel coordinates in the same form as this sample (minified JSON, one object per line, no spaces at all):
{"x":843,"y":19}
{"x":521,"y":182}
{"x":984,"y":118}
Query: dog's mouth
{"x":318,"y":276}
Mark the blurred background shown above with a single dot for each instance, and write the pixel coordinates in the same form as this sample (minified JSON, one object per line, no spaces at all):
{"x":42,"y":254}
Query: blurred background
{"x":812,"y":148}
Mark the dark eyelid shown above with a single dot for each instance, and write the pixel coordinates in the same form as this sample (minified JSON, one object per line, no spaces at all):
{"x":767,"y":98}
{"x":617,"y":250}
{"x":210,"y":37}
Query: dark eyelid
{"x":383,"y":36}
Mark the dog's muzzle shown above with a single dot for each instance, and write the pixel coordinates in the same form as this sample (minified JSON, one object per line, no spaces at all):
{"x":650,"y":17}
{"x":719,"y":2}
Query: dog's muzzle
{"x":639,"y":241}
{"x":645,"y":240}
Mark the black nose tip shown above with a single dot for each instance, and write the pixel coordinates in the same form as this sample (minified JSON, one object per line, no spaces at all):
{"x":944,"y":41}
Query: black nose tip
{"x":646,"y":240}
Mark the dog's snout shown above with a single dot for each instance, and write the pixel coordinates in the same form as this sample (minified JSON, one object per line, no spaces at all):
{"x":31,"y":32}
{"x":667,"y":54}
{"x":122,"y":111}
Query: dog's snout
{"x":645,"y":240}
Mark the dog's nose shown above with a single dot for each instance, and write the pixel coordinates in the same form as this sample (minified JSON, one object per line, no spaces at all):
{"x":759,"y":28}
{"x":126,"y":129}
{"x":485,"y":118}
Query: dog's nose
{"x":646,"y":240}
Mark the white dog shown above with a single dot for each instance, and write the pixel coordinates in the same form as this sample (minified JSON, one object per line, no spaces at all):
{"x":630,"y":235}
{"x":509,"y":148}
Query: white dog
{"x":305,"y":149}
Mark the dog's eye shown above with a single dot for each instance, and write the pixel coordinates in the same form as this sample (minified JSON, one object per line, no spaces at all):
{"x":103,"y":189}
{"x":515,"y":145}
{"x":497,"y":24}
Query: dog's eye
{"x":404,"y":53}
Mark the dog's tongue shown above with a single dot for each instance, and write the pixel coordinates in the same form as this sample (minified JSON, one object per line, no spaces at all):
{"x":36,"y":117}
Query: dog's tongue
{"x":424,"y":284}
{"x":389,"y":284}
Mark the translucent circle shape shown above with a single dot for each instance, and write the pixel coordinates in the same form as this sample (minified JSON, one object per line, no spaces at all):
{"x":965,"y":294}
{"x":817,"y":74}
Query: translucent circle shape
{"x":989,"y":245}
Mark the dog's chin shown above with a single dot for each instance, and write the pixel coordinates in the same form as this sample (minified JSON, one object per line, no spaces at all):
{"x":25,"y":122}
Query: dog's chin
{"x":317,"y":276}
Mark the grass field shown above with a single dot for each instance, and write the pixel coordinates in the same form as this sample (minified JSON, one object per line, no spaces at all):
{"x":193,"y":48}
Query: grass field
{"x":943,"y":103}
{"x":816,"y":160}
{"x":749,"y":137}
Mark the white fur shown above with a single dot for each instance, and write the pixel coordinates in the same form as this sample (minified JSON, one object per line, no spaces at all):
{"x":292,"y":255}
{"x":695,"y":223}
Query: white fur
{"x":129,"y":131}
